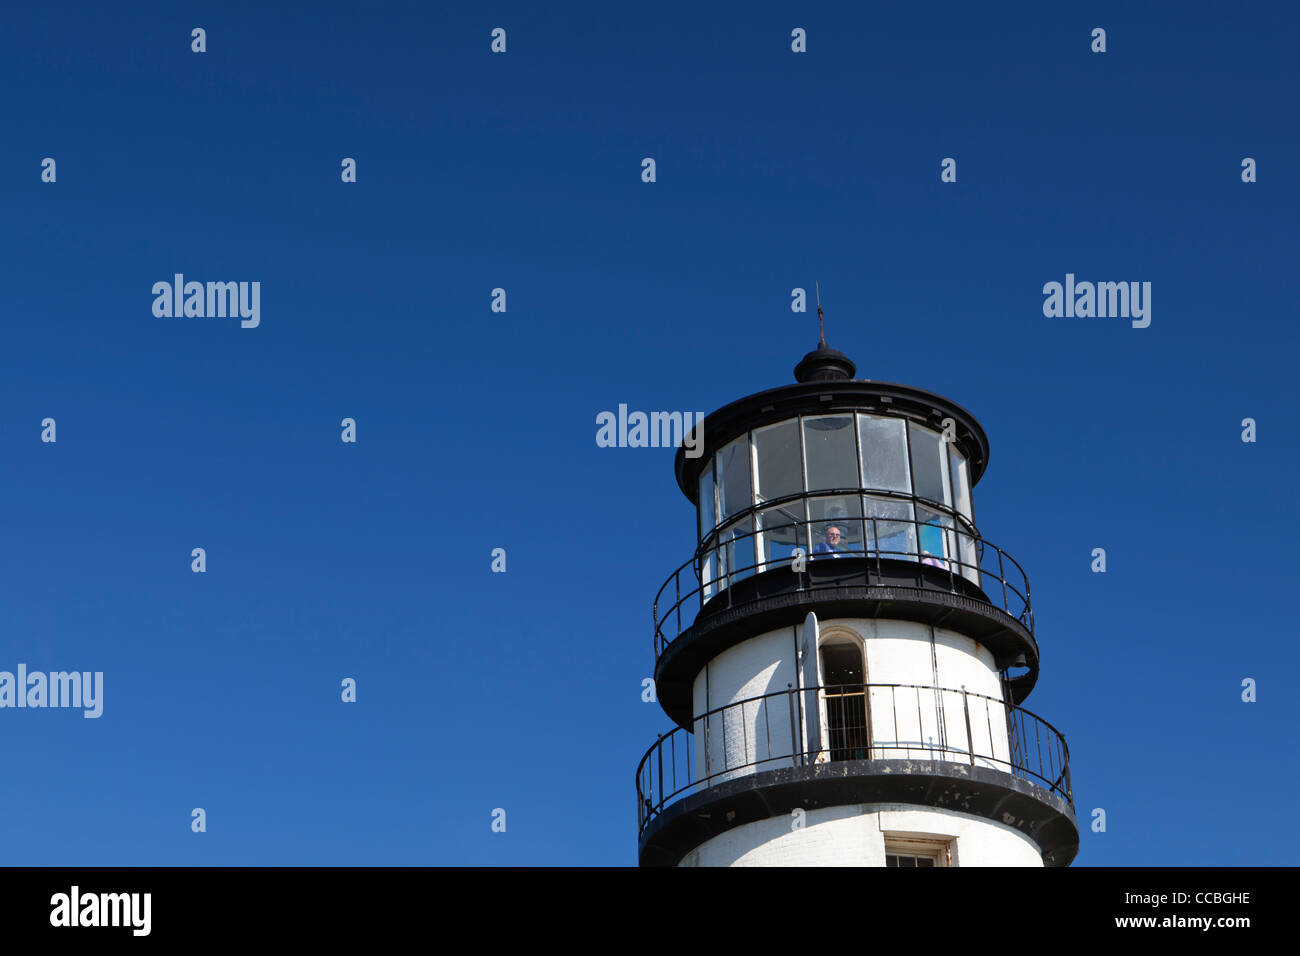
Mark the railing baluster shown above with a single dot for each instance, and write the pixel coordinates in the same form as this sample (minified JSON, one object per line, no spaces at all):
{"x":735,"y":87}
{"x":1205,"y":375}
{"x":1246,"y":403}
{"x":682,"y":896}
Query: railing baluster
{"x":726,"y":757}
{"x":767,"y":727}
{"x":1014,"y":733}
{"x":708,"y":749}
{"x":920,"y":579}
{"x":846,"y":731}
{"x":1002,"y":576}
{"x":875,"y":538}
{"x":672,"y":759}
{"x":943,"y":723}
{"x":927,"y":745}
{"x":1029,"y":604}
{"x":1038,"y":740}
{"x":794,"y":746}
{"x":677,"y":588}
{"x":988,"y":722}
{"x":1051,"y":759}
{"x":948,"y":542}
{"x":744,"y":736}
{"x":893,"y":713}
{"x":970,"y":741}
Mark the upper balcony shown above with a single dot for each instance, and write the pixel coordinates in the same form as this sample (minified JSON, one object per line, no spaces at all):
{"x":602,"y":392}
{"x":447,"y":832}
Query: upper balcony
{"x":846,"y":554}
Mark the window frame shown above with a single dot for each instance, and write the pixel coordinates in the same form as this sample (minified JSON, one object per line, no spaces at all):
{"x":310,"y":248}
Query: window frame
{"x":711,"y":469}
{"x":852,"y":416}
{"x":721,"y":515}
{"x":936,"y":847}
{"x":909,"y":481}
{"x":945,"y":478}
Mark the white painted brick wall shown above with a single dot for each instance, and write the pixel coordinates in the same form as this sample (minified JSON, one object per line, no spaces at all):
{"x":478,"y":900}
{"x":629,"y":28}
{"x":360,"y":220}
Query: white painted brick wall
{"x":855,"y":836}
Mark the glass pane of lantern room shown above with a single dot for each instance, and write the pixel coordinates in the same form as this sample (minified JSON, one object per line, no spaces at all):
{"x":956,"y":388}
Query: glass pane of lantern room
{"x":783,"y":529}
{"x":707,"y":569}
{"x":708,"y":514}
{"x":884,"y":453}
{"x":936,"y":540}
{"x":890,"y":529}
{"x":830,"y":452}
{"x":780,"y":467}
{"x":967,"y":554}
{"x":736,"y":556}
{"x":929,"y":464}
{"x":960,"y":481}
{"x":735,"y":493}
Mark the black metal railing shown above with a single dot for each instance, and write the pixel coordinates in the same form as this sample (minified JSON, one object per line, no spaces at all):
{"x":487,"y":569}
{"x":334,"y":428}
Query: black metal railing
{"x":964,"y":563}
{"x":800,"y":727}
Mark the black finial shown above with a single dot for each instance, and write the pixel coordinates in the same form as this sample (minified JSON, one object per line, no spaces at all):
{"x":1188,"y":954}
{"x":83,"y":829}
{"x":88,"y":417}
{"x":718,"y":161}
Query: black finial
{"x":821,"y":324}
{"x":823,"y":364}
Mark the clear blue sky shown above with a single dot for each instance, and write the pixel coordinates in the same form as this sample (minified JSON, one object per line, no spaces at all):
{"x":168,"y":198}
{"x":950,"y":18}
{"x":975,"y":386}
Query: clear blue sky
{"x":477,"y":429}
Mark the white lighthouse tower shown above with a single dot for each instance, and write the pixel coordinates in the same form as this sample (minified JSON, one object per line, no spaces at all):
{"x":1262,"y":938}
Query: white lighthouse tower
{"x":845,"y":654}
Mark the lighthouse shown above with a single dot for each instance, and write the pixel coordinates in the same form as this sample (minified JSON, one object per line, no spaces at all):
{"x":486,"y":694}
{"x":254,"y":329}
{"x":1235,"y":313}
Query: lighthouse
{"x":845,"y":656}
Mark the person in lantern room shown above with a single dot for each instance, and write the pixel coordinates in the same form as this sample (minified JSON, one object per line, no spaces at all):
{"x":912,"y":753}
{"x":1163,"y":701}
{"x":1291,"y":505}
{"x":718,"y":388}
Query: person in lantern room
{"x":831,"y":545}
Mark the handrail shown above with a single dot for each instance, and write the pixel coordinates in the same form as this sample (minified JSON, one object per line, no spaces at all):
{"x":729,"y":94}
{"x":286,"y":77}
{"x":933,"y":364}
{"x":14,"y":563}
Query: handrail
{"x":905,"y":497}
{"x":712,"y":570}
{"x":851,"y":722}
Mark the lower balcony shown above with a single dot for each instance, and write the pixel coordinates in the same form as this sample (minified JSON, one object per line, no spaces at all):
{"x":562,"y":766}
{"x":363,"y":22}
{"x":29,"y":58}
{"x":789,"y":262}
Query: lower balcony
{"x":831,"y":745}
